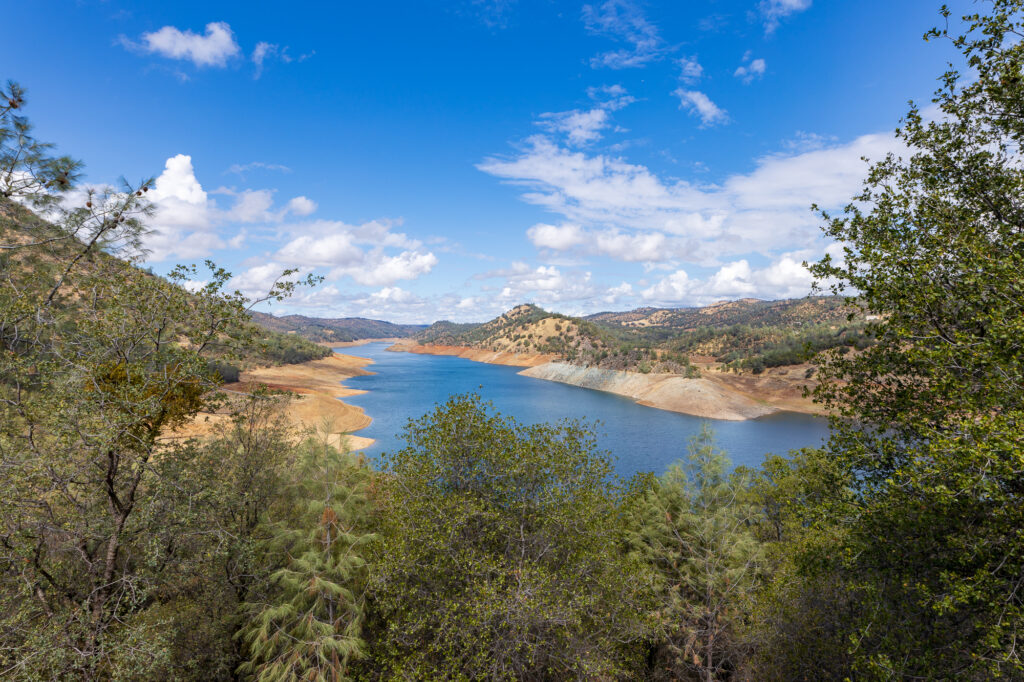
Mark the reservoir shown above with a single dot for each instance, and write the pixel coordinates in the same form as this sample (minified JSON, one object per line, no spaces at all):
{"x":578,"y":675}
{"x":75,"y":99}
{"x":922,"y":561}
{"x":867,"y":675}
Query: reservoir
{"x":407,"y":385}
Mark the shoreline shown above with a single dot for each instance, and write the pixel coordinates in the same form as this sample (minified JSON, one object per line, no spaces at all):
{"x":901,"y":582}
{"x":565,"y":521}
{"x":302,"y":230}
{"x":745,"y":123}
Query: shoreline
{"x":713,"y":395}
{"x":317,"y":390}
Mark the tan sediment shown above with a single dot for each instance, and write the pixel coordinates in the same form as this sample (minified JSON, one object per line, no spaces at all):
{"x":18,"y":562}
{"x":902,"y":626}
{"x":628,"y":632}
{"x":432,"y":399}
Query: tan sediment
{"x":475,"y":354}
{"x":713,"y":395}
{"x":358,"y":342}
{"x":317,"y":387}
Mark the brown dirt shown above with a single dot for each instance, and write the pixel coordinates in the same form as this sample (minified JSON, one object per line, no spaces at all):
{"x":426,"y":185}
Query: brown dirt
{"x":475,"y":354}
{"x":316,"y":386}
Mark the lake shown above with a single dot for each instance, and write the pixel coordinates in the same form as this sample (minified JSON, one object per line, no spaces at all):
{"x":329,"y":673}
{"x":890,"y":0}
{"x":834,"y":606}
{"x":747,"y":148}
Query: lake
{"x":407,"y":385}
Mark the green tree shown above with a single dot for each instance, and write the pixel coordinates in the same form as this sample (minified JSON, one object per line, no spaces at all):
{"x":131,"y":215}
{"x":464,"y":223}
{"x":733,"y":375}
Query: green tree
{"x":928,"y":419}
{"x":310,"y":628}
{"x":503,"y":553}
{"x":99,"y":361}
{"x":694,"y":530}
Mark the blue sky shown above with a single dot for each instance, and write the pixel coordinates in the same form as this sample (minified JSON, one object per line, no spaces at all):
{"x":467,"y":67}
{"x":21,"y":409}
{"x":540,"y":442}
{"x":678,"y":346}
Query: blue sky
{"x":450,"y":160}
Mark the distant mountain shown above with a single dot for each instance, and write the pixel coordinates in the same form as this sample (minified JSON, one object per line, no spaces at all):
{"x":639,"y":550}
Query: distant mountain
{"x":744,"y":334}
{"x":745,"y":311}
{"x":336,"y":329}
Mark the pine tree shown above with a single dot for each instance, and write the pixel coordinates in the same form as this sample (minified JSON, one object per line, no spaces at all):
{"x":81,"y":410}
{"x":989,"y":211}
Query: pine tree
{"x":311,"y":629}
{"x":695,"y":533}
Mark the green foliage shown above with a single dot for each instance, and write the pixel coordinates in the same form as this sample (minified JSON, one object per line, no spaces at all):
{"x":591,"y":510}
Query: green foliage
{"x":502,"y":554}
{"x":310,"y":626}
{"x":99,"y":362}
{"x":694,"y":529}
{"x":929,"y":417}
{"x":747,"y":334}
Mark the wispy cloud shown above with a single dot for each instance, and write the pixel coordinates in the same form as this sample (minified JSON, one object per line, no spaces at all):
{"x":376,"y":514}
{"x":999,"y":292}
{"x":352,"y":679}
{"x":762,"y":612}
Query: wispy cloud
{"x":749,"y":69}
{"x":580,"y":127}
{"x":625,"y":211}
{"x":700,"y":105}
{"x":623,"y":21}
{"x":690,"y":70}
{"x":494,"y":13}
{"x":211,"y":49}
{"x":264,"y":52}
{"x":773,"y":11}
{"x":242,"y":168}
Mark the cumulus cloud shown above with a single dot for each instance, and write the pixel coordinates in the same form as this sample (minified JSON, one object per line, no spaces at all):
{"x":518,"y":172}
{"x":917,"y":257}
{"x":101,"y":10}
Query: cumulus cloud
{"x":785,"y":277}
{"x":700,"y":105}
{"x":251,"y":205}
{"x":624,"y":22}
{"x":184,"y":222}
{"x":258,"y":280}
{"x":301,"y":206}
{"x":378,"y":269}
{"x":212,"y":48}
{"x":361,"y":252}
{"x":773,"y":11}
{"x":556,"y":237}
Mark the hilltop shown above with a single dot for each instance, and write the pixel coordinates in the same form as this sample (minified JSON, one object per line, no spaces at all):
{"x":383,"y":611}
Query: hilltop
{"x":335,"y":330}
{"x":748,"y":334}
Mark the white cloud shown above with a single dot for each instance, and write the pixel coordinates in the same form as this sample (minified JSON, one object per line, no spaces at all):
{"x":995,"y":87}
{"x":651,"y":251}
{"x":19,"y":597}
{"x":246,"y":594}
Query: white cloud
{"x":184,"y":220}
{"x":699,"y":104}
{"x":615,"y":294}
{"x":378,"y":269}
{"x":610,"y":97}
{"x":748,"y":72}
{"x":357,"y":251}
{"x":612,"y":202}
{"x":690,"y":70}
{"x":243,"y":168}
{"x":772,"y":11}
{"x":786,"y":277}
{"x":259,"y":54}
{"x":301,"y":206}
{"x":580,"y":127}
{"x":394,"y":295}
{"x":332,"y":250}
{"x":257,"y":281}
{"x":213,"y":48}
{"x":251,"y":206}
{"x":623,"y":21}
{"x":557,"y":237}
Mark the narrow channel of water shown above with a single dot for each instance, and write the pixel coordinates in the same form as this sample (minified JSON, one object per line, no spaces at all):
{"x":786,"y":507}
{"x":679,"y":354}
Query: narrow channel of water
{"x":641,"y":438}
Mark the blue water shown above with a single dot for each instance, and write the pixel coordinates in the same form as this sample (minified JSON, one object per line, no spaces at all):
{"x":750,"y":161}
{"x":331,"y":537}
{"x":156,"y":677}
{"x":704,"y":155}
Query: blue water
{"x":641,"y":438}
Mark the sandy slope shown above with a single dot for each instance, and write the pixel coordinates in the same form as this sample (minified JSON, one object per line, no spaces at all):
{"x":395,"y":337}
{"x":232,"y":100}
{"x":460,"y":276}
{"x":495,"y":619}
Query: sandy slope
{"x":476,"y":354}
{"x":317,"y":385}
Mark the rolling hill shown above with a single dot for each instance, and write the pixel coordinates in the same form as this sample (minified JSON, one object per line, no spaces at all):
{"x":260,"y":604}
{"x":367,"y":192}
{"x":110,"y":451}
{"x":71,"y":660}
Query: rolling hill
{"x":748,"y":334}
{"x":332,"y":330}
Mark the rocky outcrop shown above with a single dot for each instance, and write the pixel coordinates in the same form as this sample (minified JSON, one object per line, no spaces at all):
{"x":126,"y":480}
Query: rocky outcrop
{"x":698,"y":397}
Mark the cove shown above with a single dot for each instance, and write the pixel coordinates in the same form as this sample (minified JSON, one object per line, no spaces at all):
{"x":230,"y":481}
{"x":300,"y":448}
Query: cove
{"x":407,"y":385}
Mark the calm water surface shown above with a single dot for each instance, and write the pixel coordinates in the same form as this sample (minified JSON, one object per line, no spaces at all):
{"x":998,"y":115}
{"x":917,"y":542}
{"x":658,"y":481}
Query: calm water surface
{"x":641,"y":438}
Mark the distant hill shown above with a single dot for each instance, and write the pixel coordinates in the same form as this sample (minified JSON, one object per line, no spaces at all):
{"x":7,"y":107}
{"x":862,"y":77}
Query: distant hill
{"x":336,"y":329}
{"x":745,"y":334}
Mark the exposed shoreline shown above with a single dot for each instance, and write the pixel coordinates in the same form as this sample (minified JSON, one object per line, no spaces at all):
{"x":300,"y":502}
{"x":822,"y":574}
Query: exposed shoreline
{"x":317,"y":386}
{"x":714,"y":395}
